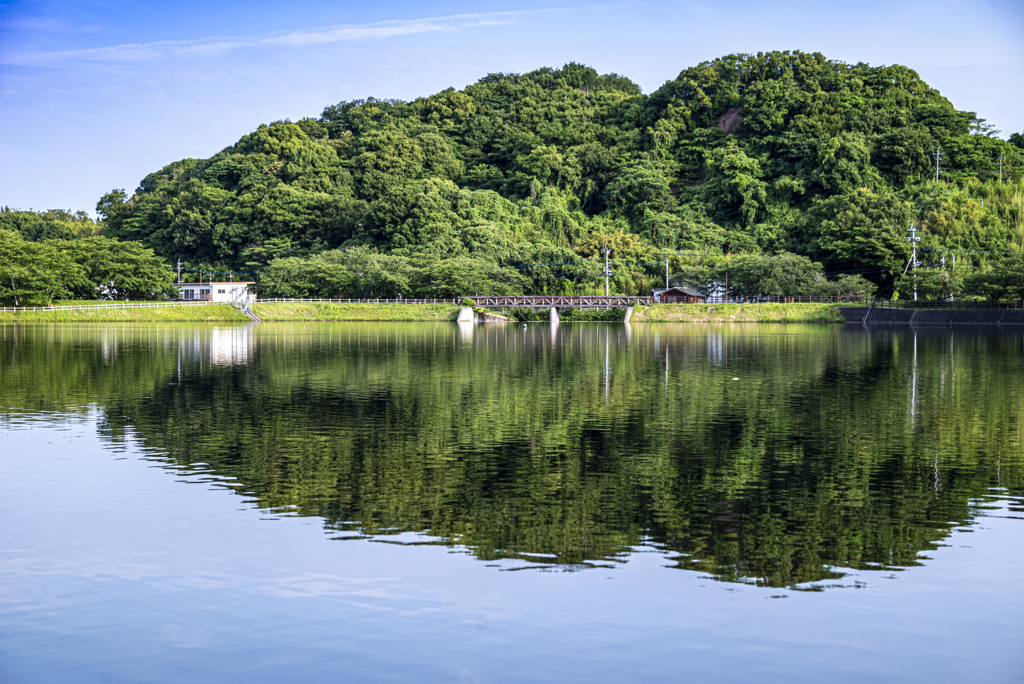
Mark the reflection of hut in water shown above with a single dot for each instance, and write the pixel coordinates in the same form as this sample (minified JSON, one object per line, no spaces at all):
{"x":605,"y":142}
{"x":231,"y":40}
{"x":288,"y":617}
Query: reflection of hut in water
{"x":678,"y":295}
{"x":231,"y":346}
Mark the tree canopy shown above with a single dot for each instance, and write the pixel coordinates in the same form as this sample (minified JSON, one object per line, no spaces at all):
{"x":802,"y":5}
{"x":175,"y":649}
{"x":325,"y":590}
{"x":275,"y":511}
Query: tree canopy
{"x":34,"y":273}
{"x":768,"y":153}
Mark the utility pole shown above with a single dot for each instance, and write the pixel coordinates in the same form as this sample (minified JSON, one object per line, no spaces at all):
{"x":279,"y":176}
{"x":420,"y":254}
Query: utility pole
{"x":938,"y":157}
{"x":606,"y":273}
{"x":913,"y":257}
{"x":952,"y":275}
{"x":179,"y":271}
{"x":943,"y":262}
{"x":666,"y":273}
{"x":1001,"y":157}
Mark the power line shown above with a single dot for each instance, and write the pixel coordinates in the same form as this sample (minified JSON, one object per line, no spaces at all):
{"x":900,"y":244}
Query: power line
{"x":972,"y":251}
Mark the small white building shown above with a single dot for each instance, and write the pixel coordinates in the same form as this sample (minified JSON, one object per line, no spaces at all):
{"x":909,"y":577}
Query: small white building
{"x":236,"y":292}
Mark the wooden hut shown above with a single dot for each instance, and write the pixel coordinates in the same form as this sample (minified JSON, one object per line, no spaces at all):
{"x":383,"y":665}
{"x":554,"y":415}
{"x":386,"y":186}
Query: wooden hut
{"x":680,"y":295}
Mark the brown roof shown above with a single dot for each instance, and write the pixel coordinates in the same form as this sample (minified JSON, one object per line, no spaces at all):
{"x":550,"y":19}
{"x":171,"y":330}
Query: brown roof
{"x":684,"y":290}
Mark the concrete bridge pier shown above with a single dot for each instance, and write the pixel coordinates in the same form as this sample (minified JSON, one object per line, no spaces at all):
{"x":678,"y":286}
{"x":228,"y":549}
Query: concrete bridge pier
{"x":553,"y":315}
{"x":466,"y":315}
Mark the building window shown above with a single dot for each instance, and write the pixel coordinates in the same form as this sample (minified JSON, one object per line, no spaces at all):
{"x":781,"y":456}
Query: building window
{"x":220,"y":291}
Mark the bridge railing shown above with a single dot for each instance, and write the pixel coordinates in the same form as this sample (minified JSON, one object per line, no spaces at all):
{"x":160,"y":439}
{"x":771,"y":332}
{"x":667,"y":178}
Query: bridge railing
{"x":568,"y":301}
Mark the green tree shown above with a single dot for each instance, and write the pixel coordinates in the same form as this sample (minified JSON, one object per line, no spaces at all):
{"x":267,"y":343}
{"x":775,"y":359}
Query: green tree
{"x":112,"y":269}
{"x":34,"y":273}
{"x":860,"y":230}
{"x":932,"y":283}
{"x":784,"y":274}
{"x":1002,"y":279}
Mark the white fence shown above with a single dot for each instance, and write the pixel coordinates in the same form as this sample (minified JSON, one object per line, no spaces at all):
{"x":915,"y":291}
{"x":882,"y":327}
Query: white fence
{"x":107,"y":305}
{"x":362,"y":301}
{"x":158,"y":305}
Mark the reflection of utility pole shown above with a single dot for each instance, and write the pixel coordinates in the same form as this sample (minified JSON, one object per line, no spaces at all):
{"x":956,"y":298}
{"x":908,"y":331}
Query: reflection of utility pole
{"x":938,"y":156}
{"x":606,"y":273}
{"x":607,"y":364}
{"x":913,"y":382}
{"x":913,"y":256}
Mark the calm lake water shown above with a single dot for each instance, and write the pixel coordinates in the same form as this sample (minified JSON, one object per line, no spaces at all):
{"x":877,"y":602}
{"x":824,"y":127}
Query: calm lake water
{"x":577,"y":503}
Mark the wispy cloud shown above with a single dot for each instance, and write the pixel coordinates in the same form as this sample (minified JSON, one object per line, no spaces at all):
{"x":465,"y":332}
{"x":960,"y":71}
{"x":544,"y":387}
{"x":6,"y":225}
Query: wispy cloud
{"x":138,"y":52}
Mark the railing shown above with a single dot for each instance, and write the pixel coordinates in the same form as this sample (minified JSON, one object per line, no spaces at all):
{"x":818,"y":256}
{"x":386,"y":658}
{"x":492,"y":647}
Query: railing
{"x":108,"y":305}
{"x":783,"y":299}
{"x":570,"y":301}
{"x":868,"y":301}
{"x":965,"y":305}
{"x":278,"y":300}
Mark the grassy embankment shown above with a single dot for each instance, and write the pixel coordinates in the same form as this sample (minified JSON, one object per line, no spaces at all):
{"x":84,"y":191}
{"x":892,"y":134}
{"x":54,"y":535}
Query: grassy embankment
{"x":201,"y":314}
{"x":314,"y":311}
{"x":739,"y":313}
{"x":317,"y":311}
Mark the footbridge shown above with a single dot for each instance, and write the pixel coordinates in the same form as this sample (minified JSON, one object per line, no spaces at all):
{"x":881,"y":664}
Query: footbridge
{"x":559,"y":301}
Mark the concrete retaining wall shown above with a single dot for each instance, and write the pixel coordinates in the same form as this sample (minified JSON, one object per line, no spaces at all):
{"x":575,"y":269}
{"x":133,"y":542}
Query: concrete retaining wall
{"x":860,"y":314}
{"x":853,"y":314}
{"x":877,"y":315}
{"x":488,"y":317}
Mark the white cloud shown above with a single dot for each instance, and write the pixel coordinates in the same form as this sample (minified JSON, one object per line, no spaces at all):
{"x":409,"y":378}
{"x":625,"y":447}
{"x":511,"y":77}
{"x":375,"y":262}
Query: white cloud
{"x":137,"y":52}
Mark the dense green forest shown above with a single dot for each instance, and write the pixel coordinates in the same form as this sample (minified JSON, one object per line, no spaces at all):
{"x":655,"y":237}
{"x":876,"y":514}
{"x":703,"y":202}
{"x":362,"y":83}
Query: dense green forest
{"x":515,"y":184}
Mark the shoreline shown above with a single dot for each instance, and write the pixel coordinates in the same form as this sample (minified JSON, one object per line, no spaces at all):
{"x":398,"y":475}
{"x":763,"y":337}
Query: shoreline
{"x":411,"y":313}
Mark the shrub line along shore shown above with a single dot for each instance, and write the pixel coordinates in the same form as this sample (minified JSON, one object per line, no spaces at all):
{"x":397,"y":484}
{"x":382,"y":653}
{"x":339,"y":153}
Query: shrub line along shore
{"x":314,"y":311}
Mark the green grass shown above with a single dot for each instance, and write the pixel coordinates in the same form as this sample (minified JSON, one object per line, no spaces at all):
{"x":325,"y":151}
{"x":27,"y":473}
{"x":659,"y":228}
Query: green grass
{"x":760,"y":313}
{"x":318,"y":311}
{"x":210,"y":312}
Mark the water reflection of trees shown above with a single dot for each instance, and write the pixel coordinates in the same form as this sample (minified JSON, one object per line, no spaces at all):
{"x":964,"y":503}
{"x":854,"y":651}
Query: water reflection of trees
{"x":833,"y":449}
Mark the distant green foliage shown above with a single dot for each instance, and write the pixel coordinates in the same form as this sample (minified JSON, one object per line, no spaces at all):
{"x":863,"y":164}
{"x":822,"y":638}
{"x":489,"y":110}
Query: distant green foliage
{"x":782,"y":274}
{"x":36,"y":273}
{"x":359,"y":272}
{"x":1002,"y":279}
{"x":768,"y":153}
{"x":55,"y":224}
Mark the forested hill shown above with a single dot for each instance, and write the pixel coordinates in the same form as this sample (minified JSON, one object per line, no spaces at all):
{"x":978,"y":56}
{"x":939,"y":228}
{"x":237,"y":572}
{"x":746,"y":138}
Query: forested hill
{"x":511,"y":183}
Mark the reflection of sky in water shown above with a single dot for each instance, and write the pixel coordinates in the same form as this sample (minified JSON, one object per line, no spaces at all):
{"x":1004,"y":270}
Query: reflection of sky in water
{"x":111,"y":566}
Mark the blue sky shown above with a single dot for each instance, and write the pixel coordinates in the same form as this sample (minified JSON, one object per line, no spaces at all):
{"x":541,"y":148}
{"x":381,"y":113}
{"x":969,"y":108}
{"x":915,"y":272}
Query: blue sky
{"x":95,"y":94}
